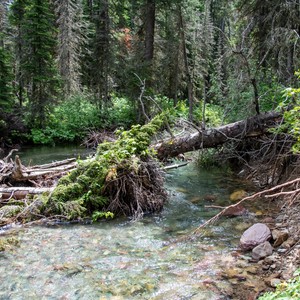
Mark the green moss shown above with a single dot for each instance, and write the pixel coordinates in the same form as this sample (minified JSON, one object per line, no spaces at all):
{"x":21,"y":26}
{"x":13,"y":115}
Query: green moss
{"x":87,"y":189}
{"x":8,"y":211}
{"x":7,"y":243}
{"x":286,"y":290}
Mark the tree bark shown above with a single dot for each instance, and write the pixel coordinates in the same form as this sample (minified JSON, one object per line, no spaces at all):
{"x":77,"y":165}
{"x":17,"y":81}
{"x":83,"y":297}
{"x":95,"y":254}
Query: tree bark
{"x":21,"y":192}
{"x":214,"y":137}
{"x":149,"y":30}
{"x":190,"y":85}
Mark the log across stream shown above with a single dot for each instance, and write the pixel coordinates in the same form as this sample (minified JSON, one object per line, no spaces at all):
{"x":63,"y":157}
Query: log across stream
{"x":123,"y":178}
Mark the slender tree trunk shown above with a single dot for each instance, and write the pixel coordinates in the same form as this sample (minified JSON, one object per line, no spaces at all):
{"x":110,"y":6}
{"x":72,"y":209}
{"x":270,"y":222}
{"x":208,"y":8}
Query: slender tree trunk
{"x":149,"y":30}
{"x":190,"y":86}
{"x":253,"y":81}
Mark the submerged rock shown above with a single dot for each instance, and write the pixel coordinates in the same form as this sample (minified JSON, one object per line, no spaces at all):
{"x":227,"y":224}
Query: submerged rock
{"x":255,"y":235}
{"x":235,"y":211}
{"x":261,"y":251}
{"x":238,"y":195}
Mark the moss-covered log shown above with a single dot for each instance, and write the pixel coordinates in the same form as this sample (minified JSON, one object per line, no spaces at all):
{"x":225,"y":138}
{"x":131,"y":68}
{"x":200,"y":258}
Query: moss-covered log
{"x":122,"y":179}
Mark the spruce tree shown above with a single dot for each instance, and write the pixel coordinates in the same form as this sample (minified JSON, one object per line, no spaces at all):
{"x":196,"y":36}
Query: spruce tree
{"x":17,"y":15}
{"x":5,"y":81}
{"x":5,"y":67}
{"x":39,"y":61}
{"x":71,"y":38}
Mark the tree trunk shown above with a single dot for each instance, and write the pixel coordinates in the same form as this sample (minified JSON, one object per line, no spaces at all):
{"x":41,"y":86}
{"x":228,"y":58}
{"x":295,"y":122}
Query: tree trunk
{"x":149,"y":30}
{"x":214,"y":137}
{"x":190,"y":86}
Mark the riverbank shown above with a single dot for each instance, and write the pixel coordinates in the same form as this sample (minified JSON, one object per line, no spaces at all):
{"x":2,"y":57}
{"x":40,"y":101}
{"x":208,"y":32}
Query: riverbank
{"x":284,"y":221}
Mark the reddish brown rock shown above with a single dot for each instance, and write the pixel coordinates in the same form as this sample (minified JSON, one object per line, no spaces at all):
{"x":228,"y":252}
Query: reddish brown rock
{"x":235,"y":211}
{"x":255,"y":235}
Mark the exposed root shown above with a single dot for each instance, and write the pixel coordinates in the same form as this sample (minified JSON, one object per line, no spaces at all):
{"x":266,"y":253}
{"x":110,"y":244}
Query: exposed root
{"x":135,"y":193}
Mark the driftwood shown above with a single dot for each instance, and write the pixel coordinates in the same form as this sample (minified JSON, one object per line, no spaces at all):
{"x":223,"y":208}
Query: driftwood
{"x":12,"y":172}
{"x":15,"y":171}
{"x":18,"y":193}
{"x":175,"y":166}
{"x":214,"y":137}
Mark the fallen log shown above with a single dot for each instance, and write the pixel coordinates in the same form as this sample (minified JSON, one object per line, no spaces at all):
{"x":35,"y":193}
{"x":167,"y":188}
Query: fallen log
{"x":31,"y":190}
{"x":55,"y":164}
{"x":214,"y":137}
{"x":21,"y":192}
{"x":16,"y":171}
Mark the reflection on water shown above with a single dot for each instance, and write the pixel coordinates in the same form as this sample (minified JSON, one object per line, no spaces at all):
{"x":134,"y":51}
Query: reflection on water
{"x":119,"y":259}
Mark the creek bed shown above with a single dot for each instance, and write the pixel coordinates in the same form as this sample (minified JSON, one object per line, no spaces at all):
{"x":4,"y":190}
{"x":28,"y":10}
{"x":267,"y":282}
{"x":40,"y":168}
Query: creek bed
{"x":120,"y":259}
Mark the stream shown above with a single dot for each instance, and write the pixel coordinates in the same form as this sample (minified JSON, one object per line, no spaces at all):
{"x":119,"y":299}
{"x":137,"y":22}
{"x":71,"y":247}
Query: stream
{"x":120,"y":259}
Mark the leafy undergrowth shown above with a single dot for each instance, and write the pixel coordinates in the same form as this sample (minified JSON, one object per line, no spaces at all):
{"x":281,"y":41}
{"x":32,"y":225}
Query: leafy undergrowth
{"x":122,"y":179}
{"x":286,"y":291}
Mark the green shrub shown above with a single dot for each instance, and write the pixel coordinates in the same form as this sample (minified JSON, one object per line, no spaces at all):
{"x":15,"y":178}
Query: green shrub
{"x":69,"y":122}
{"x":285,"y":291}
{"x":121,"y":113}
{"x":291,"y":107}
{"x":213,"y":115}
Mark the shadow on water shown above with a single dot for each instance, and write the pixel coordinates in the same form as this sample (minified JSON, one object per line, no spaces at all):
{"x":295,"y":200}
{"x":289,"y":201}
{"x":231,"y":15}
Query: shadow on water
{"x":120,"y":259}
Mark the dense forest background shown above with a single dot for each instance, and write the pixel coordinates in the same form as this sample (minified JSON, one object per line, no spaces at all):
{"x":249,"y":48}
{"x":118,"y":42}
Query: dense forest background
{"x":71,"y":65}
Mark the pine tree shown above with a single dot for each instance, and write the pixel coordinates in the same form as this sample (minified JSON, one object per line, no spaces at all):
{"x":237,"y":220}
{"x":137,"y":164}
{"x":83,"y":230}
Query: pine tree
{"x":5,"y":81}
{"x":17,"y":15}
{"x":71,"y":38}
{"x":101,"y":52}
{"x":6,"y":100}
{"x":273,"y":29}
{"x":39,"y":61}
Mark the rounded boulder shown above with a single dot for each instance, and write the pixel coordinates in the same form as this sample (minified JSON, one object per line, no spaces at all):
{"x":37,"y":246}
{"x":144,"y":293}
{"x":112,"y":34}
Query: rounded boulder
{"x":254,"y":236}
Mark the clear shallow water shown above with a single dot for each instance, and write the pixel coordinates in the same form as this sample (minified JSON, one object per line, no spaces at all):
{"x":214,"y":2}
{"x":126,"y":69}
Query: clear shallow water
{"x":124,"y":260}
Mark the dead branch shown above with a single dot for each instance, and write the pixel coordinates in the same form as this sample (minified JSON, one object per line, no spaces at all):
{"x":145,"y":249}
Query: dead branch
{"x":5,"y":159}
{"x":15,"y":171}
{"x":252,"y":197}
{"x":175,"y":166}
{"x":55,"y":164}
{"x":29,"y":190}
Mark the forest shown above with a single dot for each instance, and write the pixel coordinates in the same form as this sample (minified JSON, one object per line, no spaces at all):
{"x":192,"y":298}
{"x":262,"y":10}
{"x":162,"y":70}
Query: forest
{"x":69,"y":66}
{"x":222,"y":77}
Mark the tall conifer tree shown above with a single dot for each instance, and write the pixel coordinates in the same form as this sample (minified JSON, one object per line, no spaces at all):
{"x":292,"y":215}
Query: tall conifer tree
{"x":39,"y":61}
{"x":5,"y":67}
{"x":71,"y":38}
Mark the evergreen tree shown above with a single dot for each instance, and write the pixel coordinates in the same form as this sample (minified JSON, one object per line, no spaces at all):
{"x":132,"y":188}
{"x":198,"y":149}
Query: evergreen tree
{"x":39,"y":61}
{"x":17,"y":15}
{"x":6,"y":100}
{"x":71,"y":38}
{"x":100,"y":62}
{"x":273,"y":28}
{"x":5,"y":81}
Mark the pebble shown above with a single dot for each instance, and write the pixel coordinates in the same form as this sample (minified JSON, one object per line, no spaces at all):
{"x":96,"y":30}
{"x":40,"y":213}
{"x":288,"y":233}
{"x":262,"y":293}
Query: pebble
{"x":270,"y":259}
{"x":274,"y":282}
{"x":281,"y":250}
